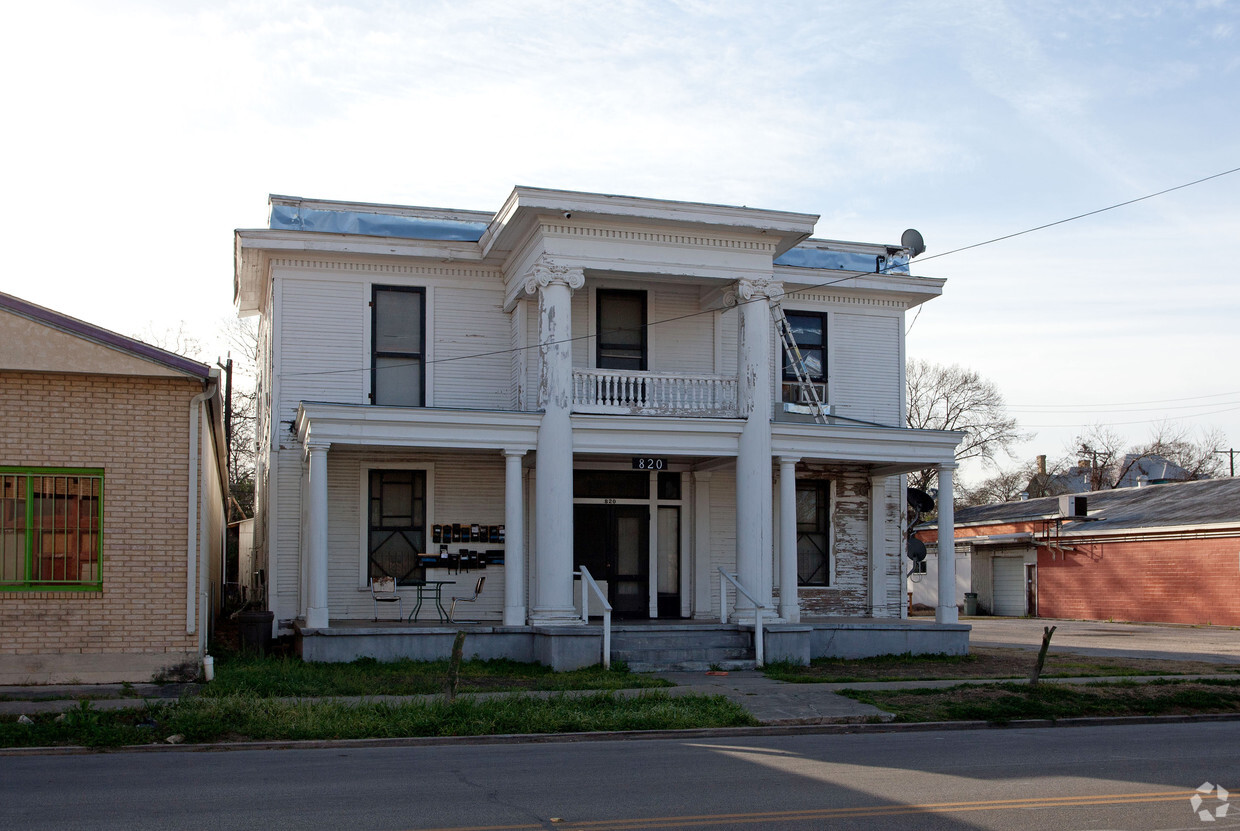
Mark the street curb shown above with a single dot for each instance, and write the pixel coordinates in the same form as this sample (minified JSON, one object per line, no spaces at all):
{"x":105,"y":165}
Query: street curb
{"x":633,"y":735}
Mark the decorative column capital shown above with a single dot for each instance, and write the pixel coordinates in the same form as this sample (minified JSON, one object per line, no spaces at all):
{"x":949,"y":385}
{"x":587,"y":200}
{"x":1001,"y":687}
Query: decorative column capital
{"x":315,"y":445}
{"x":514,"y":452}
{"x":753,"y":288}
{"x":547,"y":272}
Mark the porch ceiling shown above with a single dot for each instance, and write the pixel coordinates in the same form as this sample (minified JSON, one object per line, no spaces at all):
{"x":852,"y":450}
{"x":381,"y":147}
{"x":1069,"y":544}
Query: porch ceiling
{"x":417,"y":427}
{"x":887,"y":451}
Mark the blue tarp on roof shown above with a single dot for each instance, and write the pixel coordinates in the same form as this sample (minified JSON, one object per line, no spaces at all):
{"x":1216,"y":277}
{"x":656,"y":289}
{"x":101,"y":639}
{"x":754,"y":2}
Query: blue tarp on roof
{"x":297,"y":218}
{"x":842,"y":261}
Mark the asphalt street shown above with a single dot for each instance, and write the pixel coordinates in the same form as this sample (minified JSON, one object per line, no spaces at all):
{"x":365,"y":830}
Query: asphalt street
{"x":1130,"y":777}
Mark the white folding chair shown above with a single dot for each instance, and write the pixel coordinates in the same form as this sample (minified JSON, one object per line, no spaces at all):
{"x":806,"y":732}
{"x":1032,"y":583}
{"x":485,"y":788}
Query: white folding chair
{"x":383,"y":590}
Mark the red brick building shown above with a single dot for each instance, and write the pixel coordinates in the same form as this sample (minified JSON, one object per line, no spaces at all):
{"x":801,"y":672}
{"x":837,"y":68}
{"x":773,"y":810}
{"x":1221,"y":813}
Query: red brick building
{"x":1161,"y":553}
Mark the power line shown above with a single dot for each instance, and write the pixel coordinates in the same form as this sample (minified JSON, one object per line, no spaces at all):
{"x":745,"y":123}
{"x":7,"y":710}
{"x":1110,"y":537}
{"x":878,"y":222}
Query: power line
{"x":1082,"y":216}
{"x":1125,"y":403}
{"x":1126,"y":423}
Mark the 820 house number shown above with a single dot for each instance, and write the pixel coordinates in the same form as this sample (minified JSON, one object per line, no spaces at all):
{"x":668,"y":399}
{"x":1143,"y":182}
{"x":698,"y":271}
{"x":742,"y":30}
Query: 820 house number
{"x":649,"y":463}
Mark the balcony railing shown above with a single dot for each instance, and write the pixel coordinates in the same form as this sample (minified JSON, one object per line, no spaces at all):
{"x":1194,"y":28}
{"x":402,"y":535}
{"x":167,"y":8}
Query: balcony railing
{"x":649,"y":393}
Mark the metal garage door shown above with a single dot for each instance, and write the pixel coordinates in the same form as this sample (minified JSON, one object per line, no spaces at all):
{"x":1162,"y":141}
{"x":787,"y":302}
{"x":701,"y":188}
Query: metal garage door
{"x":1009,"y":586}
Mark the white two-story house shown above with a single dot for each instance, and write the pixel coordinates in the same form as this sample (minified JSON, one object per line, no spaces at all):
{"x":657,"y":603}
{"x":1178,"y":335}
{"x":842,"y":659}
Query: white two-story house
{"x":578,"y":380}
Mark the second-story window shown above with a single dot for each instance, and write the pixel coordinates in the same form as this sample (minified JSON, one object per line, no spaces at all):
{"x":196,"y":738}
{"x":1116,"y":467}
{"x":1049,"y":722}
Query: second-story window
{"x":397,"y":346}
{"x":621,"y":329}
{"x":809,"y":330}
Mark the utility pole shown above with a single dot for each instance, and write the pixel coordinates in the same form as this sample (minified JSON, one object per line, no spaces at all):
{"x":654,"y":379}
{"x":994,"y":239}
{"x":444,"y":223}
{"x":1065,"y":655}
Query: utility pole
{"x":1232,"y":455}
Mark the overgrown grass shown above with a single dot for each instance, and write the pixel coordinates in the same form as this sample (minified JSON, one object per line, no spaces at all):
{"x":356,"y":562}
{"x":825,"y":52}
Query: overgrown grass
{"x":241,"y":717}
{"x":291,"y":677}
{"x":983,"y":662}
{"x":1001,"y":703}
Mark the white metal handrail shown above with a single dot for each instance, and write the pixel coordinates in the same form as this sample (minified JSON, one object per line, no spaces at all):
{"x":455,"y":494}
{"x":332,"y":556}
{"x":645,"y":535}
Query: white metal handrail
{"x":630,"y":391}
{"x":588,"y":581}
{"x":758,"y":611}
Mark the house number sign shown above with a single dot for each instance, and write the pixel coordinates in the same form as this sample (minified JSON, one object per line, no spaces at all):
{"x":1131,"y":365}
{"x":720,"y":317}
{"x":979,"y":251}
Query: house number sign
{"x":649,"y":463}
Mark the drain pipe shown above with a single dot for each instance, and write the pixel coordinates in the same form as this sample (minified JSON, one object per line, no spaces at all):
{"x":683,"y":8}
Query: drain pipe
{"x":191,"y":548}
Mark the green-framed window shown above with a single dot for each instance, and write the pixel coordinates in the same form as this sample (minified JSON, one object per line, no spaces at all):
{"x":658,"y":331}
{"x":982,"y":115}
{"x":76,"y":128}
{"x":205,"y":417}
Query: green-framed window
{"x":51,"y":528}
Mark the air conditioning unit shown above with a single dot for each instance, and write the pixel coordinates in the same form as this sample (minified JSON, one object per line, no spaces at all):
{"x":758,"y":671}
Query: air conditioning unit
{"x":796,"y":394}
{"x":1073,"y":506}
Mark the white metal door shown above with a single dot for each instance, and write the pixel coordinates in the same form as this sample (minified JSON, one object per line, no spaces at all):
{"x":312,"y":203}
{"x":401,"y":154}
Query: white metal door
{"x":1009,"y":575}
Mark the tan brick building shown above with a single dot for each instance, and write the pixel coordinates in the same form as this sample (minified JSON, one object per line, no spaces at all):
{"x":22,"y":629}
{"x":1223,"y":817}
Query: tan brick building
{"x":112,"y":484}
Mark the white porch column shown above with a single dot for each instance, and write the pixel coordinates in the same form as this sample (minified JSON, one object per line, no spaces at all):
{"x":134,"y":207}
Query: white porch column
{"x":878,"y":546}
{"x":553,"y":487}
{"x":753,"y":463}
{"x":316,"y":544}
{"x":514,"y":539}
{"x":789,"y":608}
{"x":947,"y":611}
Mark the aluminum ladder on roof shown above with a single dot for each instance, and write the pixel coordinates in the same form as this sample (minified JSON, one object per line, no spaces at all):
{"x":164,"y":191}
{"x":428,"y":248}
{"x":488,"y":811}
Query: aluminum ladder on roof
{"x":809,"y":390}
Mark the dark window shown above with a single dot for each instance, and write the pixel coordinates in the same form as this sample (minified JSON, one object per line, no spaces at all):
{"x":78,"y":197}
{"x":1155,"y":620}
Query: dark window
{"x":397,"y":524}
{"x":809,"y":331}
{"x":669,"y":485}
{"x":610,"y":484}
{"x":51,"y":523}
{"x":398,"y":341}
{"x":813,"y":529}
{"x":621,"y":329}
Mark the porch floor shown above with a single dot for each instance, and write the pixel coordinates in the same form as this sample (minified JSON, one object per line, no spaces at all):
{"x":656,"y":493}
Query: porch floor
{"x":663,"y":643}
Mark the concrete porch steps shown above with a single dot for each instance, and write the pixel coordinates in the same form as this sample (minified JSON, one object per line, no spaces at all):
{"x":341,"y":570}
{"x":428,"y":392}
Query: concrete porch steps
{"x":685,"y":647}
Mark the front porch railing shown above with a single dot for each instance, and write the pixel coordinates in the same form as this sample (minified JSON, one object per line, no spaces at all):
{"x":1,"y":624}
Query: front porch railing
{"x":758,"y":612}
{"x":649,"y":393}
{"x":587,"y":586}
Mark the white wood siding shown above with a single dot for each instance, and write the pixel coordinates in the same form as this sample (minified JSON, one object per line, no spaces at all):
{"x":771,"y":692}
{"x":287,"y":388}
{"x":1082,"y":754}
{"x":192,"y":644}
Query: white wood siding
{"x":467,"y":487}
{"x":722,"y":535}
{"x":287,"y":554}
{"x":321,"y":355}
{"x":470,"y":333}
{"x":865,"y":367}
{"x":686,"y":341}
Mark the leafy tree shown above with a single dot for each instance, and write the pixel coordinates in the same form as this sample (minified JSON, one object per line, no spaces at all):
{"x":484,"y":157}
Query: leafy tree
{"x":955,"y":398}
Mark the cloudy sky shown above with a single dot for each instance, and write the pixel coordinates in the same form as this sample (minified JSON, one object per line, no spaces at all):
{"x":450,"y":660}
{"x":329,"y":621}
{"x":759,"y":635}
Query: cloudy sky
{"x":140,"y":134}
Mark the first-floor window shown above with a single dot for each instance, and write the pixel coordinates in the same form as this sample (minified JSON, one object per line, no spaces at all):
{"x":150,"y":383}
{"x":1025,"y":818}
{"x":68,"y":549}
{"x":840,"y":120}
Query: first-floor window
{"x":813,"y":532}
{"x":51,"y":523}
{"x":396,"y":532}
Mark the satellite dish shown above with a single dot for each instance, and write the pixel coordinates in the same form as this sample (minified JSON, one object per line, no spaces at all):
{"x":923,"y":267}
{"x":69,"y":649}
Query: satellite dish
{"x":911,"y":239}
{"x":916,"y":550}
{"x":919,"y":500}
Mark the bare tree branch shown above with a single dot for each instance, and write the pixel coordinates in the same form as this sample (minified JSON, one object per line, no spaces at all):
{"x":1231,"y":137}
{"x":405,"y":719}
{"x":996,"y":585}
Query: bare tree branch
{"x":955,"y":398}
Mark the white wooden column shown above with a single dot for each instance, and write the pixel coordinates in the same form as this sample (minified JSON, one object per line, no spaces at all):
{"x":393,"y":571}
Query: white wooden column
{"x":754,"y":492}
{"x":947,"y":611}
{"x":553,"y":572}
{"x":789,"y":607}
{"x":514,"y":539}
{"x":316,"y":544}
{"x":878,"y":546}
